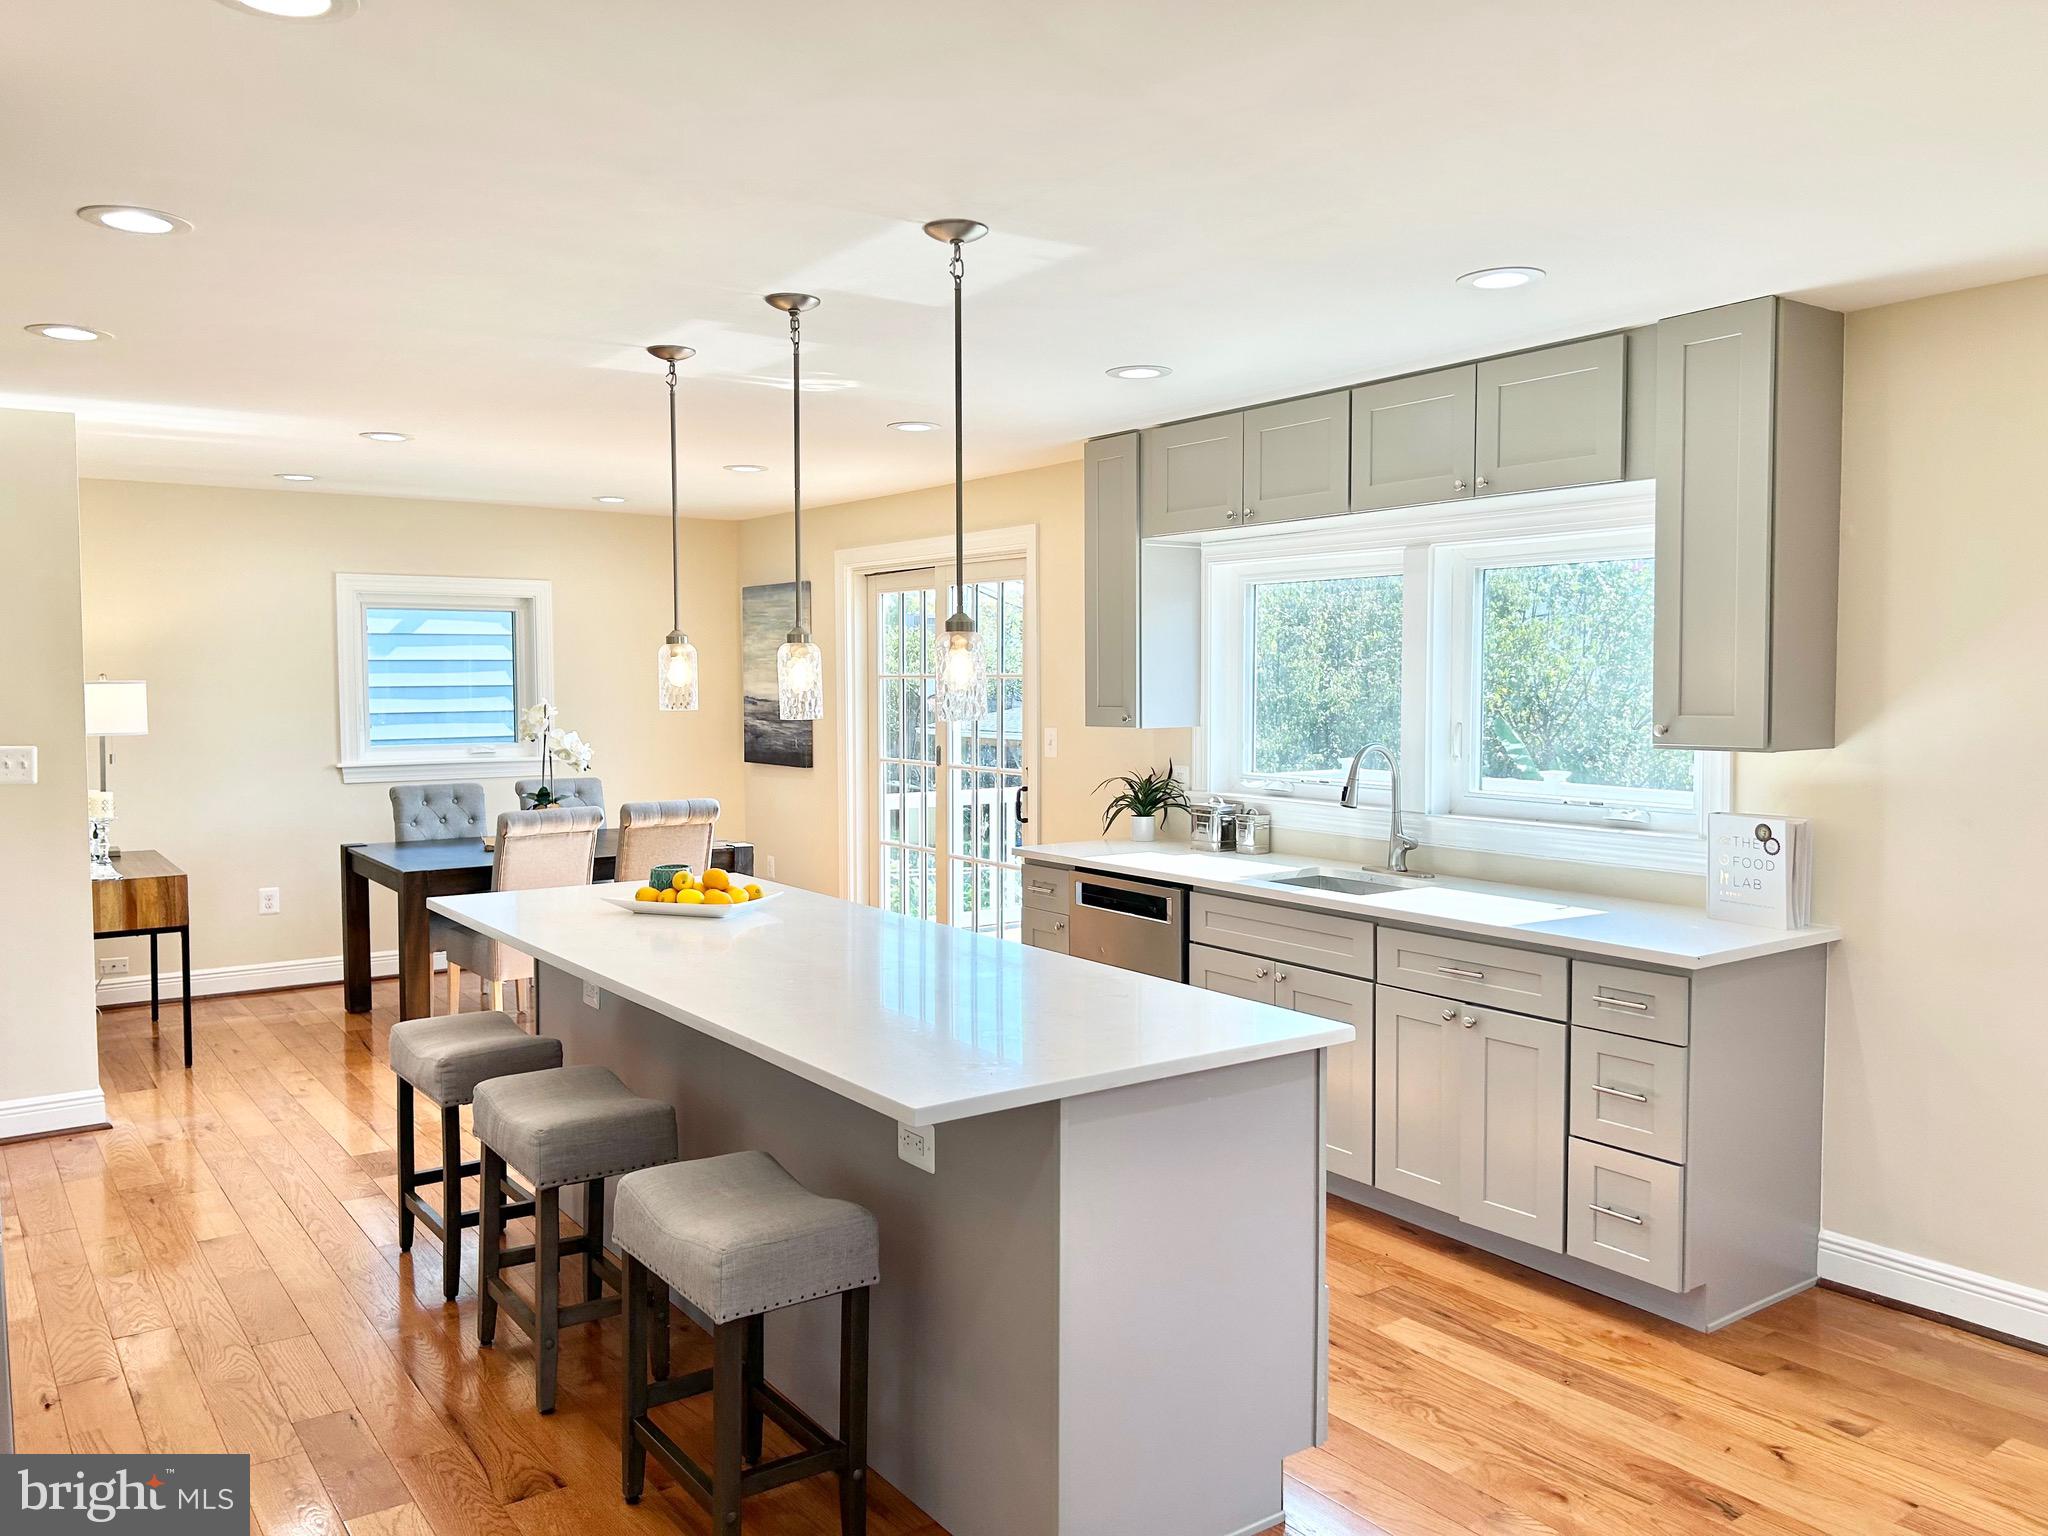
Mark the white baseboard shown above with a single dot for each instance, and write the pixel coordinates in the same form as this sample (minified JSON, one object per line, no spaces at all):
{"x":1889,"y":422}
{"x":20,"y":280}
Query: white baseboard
{"x":220,"y":980}
{"x":2004,"y":1306}
{"x":52,"y":1112}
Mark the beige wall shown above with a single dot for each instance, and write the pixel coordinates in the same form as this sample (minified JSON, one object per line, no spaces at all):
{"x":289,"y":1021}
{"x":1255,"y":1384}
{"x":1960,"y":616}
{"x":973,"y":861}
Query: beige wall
{"x":1931,"y":836}
{"x":46,"y":1019}
{"x":223,"y":601}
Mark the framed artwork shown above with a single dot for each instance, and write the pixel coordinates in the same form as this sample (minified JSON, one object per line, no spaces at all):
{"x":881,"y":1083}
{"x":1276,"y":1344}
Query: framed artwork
{"x":766,"y":613}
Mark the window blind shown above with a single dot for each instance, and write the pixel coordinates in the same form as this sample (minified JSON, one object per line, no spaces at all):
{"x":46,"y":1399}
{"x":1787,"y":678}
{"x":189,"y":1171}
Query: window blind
{"x":441,"y":676}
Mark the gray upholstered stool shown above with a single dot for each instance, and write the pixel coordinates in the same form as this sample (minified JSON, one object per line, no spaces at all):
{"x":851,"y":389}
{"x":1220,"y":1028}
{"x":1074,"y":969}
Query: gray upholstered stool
{"x":445,"y":1058}
{"x":574,"y":1125}
{"x":738,"y":1238}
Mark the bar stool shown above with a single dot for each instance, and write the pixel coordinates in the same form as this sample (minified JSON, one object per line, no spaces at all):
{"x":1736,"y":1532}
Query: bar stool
{"x":739,"y":1238}
{"x":445,"y":1058}
{"x":571,"y":1125}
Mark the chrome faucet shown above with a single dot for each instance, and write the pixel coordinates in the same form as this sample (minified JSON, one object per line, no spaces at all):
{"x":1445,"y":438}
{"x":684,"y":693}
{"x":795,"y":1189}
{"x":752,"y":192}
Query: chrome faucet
{"x":1399,"y":843}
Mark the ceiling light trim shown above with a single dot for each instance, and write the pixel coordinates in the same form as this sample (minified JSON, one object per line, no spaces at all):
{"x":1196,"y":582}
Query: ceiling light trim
{"x":98,"y":215}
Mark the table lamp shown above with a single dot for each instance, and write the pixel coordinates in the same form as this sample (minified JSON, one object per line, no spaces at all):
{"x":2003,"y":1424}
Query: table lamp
{"x":118,"y":708}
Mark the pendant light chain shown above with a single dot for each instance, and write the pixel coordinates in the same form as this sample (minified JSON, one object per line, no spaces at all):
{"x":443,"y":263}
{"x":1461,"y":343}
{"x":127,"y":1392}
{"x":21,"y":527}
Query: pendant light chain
{"x":675,"y":516}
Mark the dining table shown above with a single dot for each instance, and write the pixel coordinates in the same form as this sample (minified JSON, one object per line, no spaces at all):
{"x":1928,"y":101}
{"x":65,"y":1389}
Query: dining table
{"x":454,"y":866}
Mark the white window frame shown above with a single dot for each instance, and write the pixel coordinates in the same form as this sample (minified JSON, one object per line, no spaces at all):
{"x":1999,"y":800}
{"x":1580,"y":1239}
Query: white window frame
{"x":533,"y":603}
{"x":1440,"y":550}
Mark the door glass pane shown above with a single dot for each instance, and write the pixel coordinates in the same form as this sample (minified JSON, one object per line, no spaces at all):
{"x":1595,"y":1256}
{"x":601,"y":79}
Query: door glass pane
{"x":1325,"y":673}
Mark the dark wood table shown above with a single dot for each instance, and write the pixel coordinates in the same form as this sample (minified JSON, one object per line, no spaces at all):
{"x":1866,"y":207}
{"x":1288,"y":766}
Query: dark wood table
{"x":456,"y":866}
{"x":152,"y":897}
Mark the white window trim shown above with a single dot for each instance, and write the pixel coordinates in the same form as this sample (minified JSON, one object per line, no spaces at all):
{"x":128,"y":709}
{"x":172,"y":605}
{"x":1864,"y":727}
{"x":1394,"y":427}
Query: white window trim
{"x":359,"y":762}
{"x":1382,"y":541}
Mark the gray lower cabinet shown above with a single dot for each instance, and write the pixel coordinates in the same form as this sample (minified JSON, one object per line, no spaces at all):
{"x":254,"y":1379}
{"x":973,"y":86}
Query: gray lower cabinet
{"x":1045,"y":930}
{"x":1297,"y":459}
{"x":1194,"y":476}
{"x":1511,"y":1125}
{"x":1626,"y":1213}
{"x":1553,"y":417}
{"x":1219,"y":970}
{"x":1629,"y":1093}
{"x":1749,"y":458}
{"x":1415,"y":1097}
{"x":1347,"y":1094}
{"x":1142,"y":611}
{"x":1413,"y":439}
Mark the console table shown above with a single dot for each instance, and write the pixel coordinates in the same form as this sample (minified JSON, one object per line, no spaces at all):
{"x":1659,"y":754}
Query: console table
{"x":151,"y":898}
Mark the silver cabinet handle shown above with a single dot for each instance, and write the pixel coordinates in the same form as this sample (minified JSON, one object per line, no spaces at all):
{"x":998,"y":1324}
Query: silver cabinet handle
{"x":1250,"y":513}
{"x":1279,"y":975}
{"x":1621,"y":1093}
{"x":1663,"y":730}
{"x":1450,"y":1015}
{"x":1482,"y":482}
{"x":1059,"y":925}
{"x":1471,"y":1021}
{"x":1039,"y":889}
{"x":1608,"y":1210}
{"x":1460,"y":973}
{"x":1626,"y":1004}
{"x":1230,"y":514}
{"x":1457,"y":485}
{"x":1262,"y":973}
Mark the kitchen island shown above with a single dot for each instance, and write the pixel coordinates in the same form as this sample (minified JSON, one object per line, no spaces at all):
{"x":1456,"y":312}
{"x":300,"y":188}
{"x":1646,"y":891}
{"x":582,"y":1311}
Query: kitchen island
{"x":1101,"y":1310}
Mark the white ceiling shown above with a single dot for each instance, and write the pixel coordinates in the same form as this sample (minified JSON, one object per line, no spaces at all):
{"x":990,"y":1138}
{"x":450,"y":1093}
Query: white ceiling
{"x":464,"y":218}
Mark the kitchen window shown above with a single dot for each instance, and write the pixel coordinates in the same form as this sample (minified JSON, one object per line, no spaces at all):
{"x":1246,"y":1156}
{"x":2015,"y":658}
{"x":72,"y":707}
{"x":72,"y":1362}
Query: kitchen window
{"x":1502,"y":651}
{"x":433,"y":673}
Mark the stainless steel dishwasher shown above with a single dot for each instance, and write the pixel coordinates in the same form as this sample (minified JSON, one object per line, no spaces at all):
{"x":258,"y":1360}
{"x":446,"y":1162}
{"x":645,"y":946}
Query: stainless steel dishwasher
{"x":1132,"y":924}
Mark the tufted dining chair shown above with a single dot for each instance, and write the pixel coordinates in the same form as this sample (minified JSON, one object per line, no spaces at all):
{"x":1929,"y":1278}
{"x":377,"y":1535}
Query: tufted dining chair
{"x":569,"y":793}
{"x":427,"y":813}
{"x":655,"y":832}
{"x":535,"y":849}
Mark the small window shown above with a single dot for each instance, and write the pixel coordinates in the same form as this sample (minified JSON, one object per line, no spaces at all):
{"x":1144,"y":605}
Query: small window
{"x":434,"y":673}
{"x":1324,"y":674}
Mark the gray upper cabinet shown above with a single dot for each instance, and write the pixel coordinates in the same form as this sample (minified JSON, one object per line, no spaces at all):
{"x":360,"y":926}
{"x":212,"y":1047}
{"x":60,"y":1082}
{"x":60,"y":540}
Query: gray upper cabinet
{"x":1194,"y":476}
{"x":1553,"y":417}
{"x":1142,"y":620}
{"x":1511,"y":1125}
{"x":1297,"y":459}
{"x":1413,"y":439}
{"x":1749,"y":458}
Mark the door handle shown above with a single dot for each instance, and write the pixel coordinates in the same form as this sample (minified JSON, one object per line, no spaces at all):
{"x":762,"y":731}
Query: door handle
{"x":1022,"y":819}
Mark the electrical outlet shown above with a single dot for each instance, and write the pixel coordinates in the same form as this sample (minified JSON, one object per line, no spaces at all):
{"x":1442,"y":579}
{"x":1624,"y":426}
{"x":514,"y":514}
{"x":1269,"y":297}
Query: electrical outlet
{"x":592,"y":994}
{"x":17,"y":765}
{"x":768,"y":860}
{"x":1052,"y":741}
{"x":114,"y":965}
{"x":268,"y":903}
{"x":918,"y":1145}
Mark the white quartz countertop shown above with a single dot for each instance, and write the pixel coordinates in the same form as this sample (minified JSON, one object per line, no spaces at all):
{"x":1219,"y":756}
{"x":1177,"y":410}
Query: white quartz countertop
{"x":913,"y":1019}
{"x":1652,"y":933}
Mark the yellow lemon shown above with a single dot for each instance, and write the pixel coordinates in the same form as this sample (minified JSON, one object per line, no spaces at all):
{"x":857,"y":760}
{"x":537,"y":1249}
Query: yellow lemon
{"x":647,"y":893}
{"x":736,"y":895}
{"x":716,"y":880}
{"x":690,"y":898}
{"x":716,"y":898}
{"x":668,"y":896}
{"x":753,"y":893}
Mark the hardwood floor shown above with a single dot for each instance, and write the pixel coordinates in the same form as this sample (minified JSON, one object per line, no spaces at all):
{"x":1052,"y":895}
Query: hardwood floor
{"x":220,"y":1271}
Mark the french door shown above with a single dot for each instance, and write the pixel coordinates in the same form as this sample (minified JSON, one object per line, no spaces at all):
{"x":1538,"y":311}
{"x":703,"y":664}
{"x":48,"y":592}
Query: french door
{"x":945,"y":801}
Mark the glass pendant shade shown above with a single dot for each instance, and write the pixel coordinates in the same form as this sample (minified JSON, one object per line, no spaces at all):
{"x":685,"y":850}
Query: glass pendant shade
{"x":963,"y":677}
{"x":800,"y":677}
{"x":675,"y":673}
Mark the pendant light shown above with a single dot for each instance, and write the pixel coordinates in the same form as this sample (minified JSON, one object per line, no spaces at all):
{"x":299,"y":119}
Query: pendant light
{"x":799,"y":668}
{"x":963,"y":674}
{"x":675,"y":664}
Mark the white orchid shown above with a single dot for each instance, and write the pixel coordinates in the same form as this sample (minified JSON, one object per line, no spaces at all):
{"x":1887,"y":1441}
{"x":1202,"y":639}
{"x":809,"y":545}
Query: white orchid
{"x":537,"y":722}
{"x":572,"y":749}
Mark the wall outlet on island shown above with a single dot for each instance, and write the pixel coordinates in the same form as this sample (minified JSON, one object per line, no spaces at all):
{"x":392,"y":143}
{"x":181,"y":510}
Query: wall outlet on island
{"x":593,"y":995}
{"x":768,"y":865}
{"x":917,"y":1145}
{"x":268,"y":902}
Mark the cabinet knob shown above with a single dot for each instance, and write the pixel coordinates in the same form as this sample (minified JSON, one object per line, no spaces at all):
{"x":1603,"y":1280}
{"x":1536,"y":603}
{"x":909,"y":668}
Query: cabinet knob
{"x":1450,"y":1015}
{"x":1261,"y":973}
{"x":1059,"y":925}
{"x":1250,"y":513}
{"x":1663,"y":730}
{"x":1279,"y":975}
{"x":1481,"y":482}
{"x":1457,"y":485}
{"x":1127,"y":717}
{"x":1470,"y":1020}
{"x":1229,"y":515}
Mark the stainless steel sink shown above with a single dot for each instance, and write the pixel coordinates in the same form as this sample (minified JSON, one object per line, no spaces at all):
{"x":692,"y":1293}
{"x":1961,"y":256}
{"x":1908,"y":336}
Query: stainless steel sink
{"x":1342,"y":885}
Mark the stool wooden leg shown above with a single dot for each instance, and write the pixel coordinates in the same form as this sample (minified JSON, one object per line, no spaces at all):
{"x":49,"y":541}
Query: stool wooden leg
{"x":853,"y":1411}
{"x":658,"y":1321}
{"x":547,"y":1295}
{"x":728,"y":1389}
{"x":633,"y":1400}
{"x":454,"y":989}
{"x":451,"y":1200}
{"x":490,"y":1242}
{"x":407,"y":1166}
{"x":750,"y":1440}
{"x":593,"y":1227}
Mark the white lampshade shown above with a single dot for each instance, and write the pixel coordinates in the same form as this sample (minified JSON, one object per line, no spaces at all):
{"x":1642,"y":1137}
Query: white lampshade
{"x":116,"y":708}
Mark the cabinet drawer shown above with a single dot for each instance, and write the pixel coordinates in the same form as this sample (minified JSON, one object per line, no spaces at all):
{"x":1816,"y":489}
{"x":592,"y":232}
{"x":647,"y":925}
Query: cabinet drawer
{"x":1047,"y":887}
{"x":1218,"y":970}
{"x":1491,"y":974}
{"x":1319,"y":939}
{"x":1626,"y":1213}
{"x":1045,"y":930}
{"x":1629,"y":1093}
{"x":1646,"y":1004}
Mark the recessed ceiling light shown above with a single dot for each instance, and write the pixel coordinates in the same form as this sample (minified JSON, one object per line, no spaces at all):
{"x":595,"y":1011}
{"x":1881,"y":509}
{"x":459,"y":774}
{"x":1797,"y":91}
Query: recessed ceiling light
{"x":60,"y":332}
{"x":132,"y":220}
{"x":913,"y":426}
{"x":610,"y":501}
{"x":298,"y":477}
{"x":1502,"y":277}
{"x":1140,"y":371}
{"x":746,"y":469}
{"x":387,"y":437}
{"x":295,"y":10}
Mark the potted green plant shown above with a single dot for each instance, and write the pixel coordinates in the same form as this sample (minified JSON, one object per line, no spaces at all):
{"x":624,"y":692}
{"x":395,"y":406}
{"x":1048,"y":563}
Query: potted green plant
{"x":1146,"y":797}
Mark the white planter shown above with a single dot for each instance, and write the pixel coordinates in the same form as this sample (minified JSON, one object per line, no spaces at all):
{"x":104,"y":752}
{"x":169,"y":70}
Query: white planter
{"x":1144,"y":828}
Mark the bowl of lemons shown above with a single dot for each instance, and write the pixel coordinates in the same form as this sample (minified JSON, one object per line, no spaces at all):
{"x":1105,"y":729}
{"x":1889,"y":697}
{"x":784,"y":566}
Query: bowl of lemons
{"x":715,"y":893}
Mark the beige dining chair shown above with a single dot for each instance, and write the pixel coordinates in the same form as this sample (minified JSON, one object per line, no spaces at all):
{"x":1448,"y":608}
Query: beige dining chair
{"x":655,"y":832}
{"x":535,"y":849}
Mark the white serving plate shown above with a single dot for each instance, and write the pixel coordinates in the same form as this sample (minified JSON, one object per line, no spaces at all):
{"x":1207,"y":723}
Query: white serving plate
{"x":679,"y":909}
